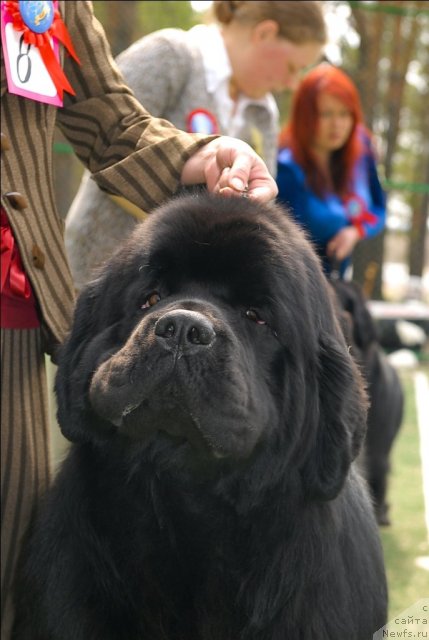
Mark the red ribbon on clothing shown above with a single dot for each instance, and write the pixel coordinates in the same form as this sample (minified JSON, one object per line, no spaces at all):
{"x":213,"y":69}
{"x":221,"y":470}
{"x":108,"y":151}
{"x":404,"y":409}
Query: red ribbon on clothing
{"x":42,"y":41}
{"x":357,"y":213}
{"x":11,"y":266}
{"x":365,"y":216}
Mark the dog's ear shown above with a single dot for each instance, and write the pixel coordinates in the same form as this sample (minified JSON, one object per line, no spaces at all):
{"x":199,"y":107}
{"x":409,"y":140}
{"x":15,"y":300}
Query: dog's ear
{"x":353,"y":300}
{"x":337,"y":419}
{"x":77,"y":422}
{"x":364,"y":331}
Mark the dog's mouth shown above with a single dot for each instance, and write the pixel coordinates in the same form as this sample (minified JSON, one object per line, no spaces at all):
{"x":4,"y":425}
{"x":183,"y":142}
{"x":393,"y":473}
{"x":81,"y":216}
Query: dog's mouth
{"x":174,"y":421}
{"x":179,"y":417}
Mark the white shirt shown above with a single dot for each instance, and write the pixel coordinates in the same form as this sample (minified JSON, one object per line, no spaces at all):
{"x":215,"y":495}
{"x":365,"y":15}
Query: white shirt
{"x":218,"y":73}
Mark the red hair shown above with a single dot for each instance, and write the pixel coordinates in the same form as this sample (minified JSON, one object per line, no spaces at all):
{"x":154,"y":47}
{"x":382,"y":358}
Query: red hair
{"x":298,"y":134}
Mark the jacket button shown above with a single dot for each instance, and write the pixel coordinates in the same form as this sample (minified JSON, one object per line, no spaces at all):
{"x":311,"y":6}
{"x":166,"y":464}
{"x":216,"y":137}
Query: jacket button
{"x":38,"y":257}
{"x":4,"y":144}
{"x":17,"y":200}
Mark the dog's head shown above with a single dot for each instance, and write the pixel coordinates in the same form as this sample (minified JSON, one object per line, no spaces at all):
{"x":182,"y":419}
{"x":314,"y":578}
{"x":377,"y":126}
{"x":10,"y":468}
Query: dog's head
{"x":211,"y":334}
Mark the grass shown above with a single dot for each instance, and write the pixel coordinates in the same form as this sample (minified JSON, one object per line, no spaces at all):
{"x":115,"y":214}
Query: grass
{"x":407,"y":537}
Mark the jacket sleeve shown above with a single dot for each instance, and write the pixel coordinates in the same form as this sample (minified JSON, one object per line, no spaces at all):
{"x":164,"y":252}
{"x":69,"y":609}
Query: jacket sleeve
{"x":377,"y":206}
{"x":291,"y":192}
{"x":129,"y":152}
{"x":296,"y":197}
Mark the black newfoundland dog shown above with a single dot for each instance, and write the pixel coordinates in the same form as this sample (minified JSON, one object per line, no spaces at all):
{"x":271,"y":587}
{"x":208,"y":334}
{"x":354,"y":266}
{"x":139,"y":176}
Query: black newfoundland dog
{"x":386,"y":396}
{"x":215,"y":409}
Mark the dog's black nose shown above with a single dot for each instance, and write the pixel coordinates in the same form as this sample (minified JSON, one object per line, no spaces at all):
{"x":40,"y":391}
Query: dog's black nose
{"x":185,"y":329}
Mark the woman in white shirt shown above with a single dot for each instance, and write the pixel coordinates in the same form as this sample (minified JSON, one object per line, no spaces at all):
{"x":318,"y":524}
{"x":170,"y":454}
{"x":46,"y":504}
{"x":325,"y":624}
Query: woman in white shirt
{"x":215,"y":78}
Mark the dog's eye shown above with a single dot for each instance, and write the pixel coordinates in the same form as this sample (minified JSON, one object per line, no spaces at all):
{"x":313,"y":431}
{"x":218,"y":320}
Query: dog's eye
{"x":152,"y":299}
{"x":253,"y":315}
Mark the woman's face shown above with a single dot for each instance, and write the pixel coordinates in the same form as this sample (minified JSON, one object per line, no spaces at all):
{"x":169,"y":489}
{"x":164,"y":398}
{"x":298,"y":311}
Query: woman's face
{"x":335,"y":123}
{"x":270,"y":63}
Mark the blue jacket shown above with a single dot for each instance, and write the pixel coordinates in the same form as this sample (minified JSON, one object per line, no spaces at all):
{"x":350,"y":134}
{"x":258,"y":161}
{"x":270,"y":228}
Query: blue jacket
{"x":322,"y":218}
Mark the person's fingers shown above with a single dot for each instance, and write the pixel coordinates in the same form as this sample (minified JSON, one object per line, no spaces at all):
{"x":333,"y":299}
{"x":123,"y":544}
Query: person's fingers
{"x":240,"y":173}
{"x":243,"y":171}
{"x":228,"y":192}
{"x":331,"y":247}
{"x":230,"y":167}
{"x":250,"y":174}
{"x":263,"y":193}
{"x":224,"y":181}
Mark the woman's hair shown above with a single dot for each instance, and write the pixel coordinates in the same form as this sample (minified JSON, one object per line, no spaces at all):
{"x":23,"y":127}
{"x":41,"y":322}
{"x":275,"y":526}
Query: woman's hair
{"x":300,"y":22}
{"x":299,"y":133}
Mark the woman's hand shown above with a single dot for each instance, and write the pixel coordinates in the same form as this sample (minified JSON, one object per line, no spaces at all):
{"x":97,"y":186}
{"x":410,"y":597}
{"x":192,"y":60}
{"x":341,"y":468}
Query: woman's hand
{"x":342,"y":244}
{"x":230,"y":167}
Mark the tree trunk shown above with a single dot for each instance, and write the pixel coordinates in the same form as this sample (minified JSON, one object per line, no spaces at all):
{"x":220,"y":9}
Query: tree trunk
{"x":402,"y":45}
{"x":368,"y":256}
{"x":419,"y":232}
{"x":120,"y":24}
{"x":370,"y":29}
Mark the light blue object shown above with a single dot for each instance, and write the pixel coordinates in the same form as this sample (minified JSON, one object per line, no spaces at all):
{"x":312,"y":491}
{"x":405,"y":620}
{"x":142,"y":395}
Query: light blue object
{"x":38,"y":15}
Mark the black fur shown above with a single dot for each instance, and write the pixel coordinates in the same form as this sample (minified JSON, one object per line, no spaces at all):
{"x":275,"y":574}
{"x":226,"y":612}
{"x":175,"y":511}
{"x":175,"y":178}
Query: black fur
{"x":210,"y":493}
{"x":386,"y":397}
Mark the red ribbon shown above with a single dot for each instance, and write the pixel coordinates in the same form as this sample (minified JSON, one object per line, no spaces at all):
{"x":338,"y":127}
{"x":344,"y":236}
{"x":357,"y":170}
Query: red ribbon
{"x":353,"y":202}
{"x":42,"y":41}
{"x":365,"y":216}
{"x":11,"y":265}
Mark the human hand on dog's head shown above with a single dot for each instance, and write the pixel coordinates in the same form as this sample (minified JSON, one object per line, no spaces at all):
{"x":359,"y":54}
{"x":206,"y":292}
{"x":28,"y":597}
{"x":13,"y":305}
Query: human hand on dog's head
{"x":230,"y":167}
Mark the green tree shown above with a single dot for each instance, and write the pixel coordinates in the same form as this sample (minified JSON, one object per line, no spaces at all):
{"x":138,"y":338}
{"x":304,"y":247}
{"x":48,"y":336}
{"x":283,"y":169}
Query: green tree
{"x":128,"y":20}
{"x":393,"y":38}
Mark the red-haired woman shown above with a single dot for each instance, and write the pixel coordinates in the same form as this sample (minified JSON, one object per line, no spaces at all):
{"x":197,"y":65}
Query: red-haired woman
{"x":326,"y":169}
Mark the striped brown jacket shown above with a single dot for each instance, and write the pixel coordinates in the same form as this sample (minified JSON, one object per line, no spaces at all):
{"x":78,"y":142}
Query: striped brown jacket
{"x":129,"y":153}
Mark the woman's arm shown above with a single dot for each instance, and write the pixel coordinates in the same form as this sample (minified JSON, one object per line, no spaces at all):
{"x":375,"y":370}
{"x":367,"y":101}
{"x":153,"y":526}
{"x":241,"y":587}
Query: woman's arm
{"x":129,"y":152}
{"x":320,"y":218}
{"x":377,"y":206}
{"x":292,"y":193}
{"x":111,"y":133}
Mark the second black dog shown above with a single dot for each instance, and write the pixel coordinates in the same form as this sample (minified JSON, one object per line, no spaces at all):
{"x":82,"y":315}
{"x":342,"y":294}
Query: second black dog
{"x":384,"y":390}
